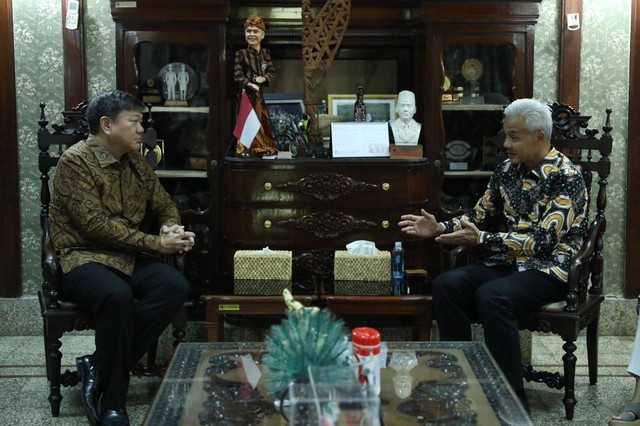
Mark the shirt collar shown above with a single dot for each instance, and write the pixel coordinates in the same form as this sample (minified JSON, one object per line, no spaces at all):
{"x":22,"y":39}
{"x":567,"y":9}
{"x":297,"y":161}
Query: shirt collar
{"x":551,"y":158}
{"x":103,"y":155}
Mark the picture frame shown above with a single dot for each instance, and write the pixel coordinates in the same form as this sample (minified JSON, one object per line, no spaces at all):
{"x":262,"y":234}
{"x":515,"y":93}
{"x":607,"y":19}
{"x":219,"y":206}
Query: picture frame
{"x":379,"y":107}
{"x":290,"y":103}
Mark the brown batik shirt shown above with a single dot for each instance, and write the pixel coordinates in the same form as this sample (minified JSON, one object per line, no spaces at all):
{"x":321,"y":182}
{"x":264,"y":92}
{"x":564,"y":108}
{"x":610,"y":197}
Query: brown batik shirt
{"x":98,"y":204}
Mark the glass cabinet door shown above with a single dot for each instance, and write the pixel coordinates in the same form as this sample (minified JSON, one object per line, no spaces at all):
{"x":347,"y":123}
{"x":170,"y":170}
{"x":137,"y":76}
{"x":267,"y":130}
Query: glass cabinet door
{"x":173,"y":79}
{"x":478,"y":84}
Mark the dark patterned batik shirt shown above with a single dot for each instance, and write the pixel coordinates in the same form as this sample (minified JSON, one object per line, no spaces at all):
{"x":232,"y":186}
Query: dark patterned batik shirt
{"x":545,"y":210}
{"x":98,"y":204}
{"x":249,"y":64}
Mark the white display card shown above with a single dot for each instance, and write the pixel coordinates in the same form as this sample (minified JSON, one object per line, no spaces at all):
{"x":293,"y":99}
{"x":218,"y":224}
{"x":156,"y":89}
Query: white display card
{"x":360,"y":139}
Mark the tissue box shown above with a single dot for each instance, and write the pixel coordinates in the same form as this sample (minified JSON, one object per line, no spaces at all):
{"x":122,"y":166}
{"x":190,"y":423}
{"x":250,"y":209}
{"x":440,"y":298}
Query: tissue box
{"x":250,"y":265}
{"x":261,"y":287}
{"x":362,"y":267}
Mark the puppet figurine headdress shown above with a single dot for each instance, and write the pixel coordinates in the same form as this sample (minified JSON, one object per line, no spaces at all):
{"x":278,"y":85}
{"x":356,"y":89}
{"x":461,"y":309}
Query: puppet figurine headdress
{"x":254,"y":21}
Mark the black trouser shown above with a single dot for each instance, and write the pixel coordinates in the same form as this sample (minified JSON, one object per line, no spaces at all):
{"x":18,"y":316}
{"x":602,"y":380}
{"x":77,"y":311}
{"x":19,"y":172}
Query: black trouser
{"x":495,"y":297}
{"x":130,"y":314}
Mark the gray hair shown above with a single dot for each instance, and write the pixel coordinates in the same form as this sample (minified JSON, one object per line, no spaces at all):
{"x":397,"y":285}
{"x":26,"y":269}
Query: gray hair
{"x":537,"y":115}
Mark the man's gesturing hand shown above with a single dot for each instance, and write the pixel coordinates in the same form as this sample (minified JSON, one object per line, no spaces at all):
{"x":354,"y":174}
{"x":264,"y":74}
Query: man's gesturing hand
{"x":424,"y":226}
{"x":467,"y":236}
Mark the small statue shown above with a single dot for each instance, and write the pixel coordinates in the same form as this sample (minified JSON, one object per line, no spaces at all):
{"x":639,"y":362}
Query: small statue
{"x":359,"y":108}
{"x":253,"y":69}
{"x":294,"y":306}
{"x":183,"y":80}
{"x":406,"y":130}
{"x":170,"y":79}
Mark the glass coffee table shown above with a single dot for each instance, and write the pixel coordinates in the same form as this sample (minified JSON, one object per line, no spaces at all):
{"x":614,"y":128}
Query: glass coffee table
{"x":451,"y":383}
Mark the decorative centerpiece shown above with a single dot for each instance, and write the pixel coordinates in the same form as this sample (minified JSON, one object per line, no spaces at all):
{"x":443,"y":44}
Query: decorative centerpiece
{"x":308,"y":337}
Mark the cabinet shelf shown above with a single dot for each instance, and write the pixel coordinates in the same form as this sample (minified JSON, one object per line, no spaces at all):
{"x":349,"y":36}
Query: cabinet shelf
{"x":181,"y":173}
{"x":199,"y":110}
{"x":484,"y":107}
{"x":467,"y":174}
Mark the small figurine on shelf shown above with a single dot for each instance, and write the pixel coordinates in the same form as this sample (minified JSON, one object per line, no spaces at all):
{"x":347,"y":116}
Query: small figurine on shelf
{"x":170,"y":79}
{"x":183,"y":81}
{"x":406,"y":130}
{"x":252,"y":71}
{"x":359,"y":108}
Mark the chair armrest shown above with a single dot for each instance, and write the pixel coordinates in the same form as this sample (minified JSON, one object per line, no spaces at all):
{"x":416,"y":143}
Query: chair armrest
{"x":585,"y":269}
{"x":176,"y":260}
{"x":582,"y":259}
{"x":51,"y":271}
{"x":463,"y":255}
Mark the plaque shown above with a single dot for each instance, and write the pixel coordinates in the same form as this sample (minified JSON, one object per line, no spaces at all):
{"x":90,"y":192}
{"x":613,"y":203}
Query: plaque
{"x":458,"y":152}
{"x":151,"y":92}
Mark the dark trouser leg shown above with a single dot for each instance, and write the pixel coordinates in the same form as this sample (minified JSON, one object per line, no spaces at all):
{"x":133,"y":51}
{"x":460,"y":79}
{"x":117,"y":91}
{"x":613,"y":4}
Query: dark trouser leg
{"x":161,"y":292}
{"x":107,"y":295}
{"x":454,"y":298}
{"x":501,"y":302}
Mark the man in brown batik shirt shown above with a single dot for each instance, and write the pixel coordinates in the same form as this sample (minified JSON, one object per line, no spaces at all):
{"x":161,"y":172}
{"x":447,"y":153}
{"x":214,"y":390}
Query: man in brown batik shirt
{"x":102,"y":190}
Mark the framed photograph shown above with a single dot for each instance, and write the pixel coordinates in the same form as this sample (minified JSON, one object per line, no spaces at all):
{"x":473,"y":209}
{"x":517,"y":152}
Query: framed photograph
{"x":379,"y":107}
{"x":288,"y":103}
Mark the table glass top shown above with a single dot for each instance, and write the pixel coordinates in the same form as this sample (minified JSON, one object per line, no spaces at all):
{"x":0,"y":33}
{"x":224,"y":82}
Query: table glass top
{"x":451,"y":384}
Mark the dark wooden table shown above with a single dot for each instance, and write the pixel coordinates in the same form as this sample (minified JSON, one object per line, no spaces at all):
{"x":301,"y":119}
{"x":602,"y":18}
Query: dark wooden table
{"x":417,"y":308}
{"x":455,"y":383}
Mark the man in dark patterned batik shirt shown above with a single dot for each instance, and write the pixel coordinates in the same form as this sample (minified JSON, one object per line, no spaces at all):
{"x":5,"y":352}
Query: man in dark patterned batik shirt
{"x":103,"y":189}
{"x":544,"y":199}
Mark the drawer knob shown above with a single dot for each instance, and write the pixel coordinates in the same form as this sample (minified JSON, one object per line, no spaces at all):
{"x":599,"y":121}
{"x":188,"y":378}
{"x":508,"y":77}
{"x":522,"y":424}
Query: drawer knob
{"x":268,"y":186}
{"x":385,"y":186}
{"x":267,"y":224}
{"x":385,"y":224}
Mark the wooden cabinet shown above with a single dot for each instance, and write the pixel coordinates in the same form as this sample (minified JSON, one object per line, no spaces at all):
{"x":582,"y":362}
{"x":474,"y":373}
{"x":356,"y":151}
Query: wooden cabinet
{"x":308,"y":204}
{"x":302,"y":204}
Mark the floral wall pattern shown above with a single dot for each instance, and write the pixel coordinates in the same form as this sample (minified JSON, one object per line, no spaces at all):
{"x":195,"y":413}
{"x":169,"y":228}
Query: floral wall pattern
{"x":39,"y":78}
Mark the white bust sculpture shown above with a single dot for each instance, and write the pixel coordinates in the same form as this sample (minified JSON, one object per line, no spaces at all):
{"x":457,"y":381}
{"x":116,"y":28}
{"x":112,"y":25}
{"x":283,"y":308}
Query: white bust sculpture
{"x":406,"y":130}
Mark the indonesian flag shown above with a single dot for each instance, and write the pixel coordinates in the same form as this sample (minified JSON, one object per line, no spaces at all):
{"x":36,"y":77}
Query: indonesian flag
{"x":248,"y":124}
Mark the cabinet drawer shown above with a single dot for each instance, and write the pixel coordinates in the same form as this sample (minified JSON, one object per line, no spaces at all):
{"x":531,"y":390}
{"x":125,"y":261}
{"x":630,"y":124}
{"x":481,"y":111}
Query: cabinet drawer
{"x":298,"y":226}
{"x":339,"y":183}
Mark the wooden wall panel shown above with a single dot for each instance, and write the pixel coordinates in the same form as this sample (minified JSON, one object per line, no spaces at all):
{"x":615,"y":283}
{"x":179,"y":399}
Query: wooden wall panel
{"x":75,"y":67}
{"x":632,"y":284}
{"x":9,"y":199}
{"x":570,"y":42}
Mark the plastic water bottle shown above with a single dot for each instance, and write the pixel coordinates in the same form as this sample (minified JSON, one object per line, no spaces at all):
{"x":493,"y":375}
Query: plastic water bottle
{"x":366,"y":348}
{"x":397,"y":270}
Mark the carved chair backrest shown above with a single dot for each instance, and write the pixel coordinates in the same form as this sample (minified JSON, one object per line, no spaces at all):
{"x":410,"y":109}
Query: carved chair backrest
{"x":51,"y":145}
{"x":590,"y":153}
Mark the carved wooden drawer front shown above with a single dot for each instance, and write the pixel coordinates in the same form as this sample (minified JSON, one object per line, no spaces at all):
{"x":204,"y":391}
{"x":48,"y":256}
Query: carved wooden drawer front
{"x":324,"y":181}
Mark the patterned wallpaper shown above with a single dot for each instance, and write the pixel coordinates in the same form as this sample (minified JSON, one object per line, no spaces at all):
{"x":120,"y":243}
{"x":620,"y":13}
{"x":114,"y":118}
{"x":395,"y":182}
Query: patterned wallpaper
{"x":39,"y":71}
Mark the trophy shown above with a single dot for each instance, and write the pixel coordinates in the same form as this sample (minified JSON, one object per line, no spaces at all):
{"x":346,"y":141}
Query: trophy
{"x":179,"y":82}
{"x":472,"y":70}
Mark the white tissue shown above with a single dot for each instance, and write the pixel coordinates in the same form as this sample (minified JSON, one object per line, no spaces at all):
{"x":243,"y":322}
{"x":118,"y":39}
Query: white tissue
{"x":265,"y":250}
{"x":362,"y":247}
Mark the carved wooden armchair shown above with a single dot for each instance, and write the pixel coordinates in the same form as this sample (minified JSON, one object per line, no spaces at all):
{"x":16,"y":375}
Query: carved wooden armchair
{"x":581,"y":307}
{"x":59,"y":316}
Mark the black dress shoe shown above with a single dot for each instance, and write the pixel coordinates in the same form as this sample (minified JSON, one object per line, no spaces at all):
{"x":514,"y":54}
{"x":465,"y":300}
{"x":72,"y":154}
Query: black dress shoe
{"x":90,"y":378}
{"x":114,"y":418}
